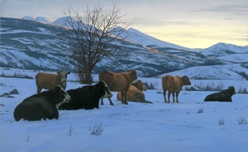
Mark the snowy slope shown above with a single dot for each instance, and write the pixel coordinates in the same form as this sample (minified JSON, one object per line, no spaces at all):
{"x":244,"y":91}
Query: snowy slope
{"x":239,"y":58}
{"x":215,"y":72}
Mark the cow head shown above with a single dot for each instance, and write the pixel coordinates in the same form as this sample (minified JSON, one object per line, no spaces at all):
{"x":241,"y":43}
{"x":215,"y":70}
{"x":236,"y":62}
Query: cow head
{"x":185,"y":80}
{"x":63,"y":76}
{"x":61,"y":95}
{"x":107,"y":93}
{"x":139,"y":85}
{"x":231,"y":90}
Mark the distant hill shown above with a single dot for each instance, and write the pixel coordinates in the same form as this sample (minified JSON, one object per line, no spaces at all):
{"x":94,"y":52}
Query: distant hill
{"x":38,"y":19}
{"x":222,"y":49}
{"x":30,"y":44}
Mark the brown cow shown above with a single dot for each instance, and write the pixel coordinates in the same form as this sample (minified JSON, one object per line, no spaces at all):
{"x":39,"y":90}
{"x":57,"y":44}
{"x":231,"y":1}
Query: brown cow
{"x":174,"y":85}
{"x":134,"y":93}
{"x":118,"y":82}
{"x":49,"y":81}
{"x":139,"y":85}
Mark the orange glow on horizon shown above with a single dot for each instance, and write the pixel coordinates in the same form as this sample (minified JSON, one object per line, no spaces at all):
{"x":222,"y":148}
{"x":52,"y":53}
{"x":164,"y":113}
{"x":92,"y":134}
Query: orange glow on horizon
{"x":199,"y":37}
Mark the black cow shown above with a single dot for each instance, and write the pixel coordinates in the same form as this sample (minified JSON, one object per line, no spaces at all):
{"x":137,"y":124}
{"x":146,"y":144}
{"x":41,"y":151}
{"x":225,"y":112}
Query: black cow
{"x":222,"y":96}
{"x":41,"y":106}
{"x":87,"y":97}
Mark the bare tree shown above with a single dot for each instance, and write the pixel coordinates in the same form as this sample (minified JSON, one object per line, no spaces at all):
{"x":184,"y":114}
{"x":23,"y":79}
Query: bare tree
{"x":92,"y":38}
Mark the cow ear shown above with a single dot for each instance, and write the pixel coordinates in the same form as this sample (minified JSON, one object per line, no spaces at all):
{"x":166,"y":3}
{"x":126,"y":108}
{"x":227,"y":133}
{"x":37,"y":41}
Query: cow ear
{"x":57,"y":88}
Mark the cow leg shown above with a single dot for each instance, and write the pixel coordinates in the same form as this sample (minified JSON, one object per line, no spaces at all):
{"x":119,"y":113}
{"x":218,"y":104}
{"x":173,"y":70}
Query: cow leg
{"x":110,"y":102}
{"x":39,"y":90}
{"x":125,"y":102}
{"x":177,"y":97}
{"x":102,"y":101}
{"x":169,"y":93}
{"x":173,"y":95}
{"x":122,"y":96}
{"x":164,"y":93}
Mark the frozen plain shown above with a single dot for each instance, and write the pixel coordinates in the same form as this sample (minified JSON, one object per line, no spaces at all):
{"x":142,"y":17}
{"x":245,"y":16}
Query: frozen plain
{"x":134,"y":127}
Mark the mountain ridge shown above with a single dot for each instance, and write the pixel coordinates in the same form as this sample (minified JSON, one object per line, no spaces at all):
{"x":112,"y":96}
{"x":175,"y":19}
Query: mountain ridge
{"x":39,"y":48}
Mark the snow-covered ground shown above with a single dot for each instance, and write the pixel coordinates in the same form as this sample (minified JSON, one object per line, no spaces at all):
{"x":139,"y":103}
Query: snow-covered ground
{"x":134,"y":127}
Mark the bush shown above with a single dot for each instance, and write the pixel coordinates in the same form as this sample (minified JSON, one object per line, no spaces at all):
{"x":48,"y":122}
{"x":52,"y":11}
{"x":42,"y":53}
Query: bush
{"x":200,"y":110}
{"x":221,"y":121}
{"x":27,"y":138}
{"x":241,"y":121}
{"x":96,"y":129}
{"x":70,"y":131}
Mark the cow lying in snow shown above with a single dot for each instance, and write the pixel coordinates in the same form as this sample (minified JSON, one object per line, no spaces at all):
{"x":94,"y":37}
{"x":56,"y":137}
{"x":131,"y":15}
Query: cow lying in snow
{"x":139,"y":85}
{"x":41,"y":106}
{"x":49,"y":81}
{"x":222,"y":96}
{"x":135,"y":93}
{"x":174,"y":85}
{"x":87,"y":97}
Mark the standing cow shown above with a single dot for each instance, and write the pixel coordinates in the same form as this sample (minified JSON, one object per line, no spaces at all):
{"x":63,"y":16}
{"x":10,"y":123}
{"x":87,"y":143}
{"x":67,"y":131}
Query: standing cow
{"x":118,"y":82}
{"x":49,"y":81}
{"x":174,"y":85}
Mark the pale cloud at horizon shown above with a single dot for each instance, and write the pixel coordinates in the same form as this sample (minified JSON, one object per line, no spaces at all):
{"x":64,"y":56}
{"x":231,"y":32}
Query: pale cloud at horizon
{"x":186,"y":23}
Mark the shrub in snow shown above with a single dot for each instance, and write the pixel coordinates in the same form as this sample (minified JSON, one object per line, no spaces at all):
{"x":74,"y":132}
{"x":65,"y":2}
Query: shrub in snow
{"x":159,"y":92}
{"x":96,"y":129}
{"x":2,"y":84}
{"x":200,"y":110}
{"x":241,"y":121}
{"x":70,"y":131}
{"x":27,"y":138}
{"x":221,"y":121}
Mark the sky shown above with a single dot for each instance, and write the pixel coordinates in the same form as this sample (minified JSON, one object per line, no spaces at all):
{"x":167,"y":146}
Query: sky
{"x":188,"y":23}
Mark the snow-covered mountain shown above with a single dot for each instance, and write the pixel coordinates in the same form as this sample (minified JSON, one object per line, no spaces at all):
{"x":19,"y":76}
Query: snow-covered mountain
{"x":28,"y":18}
{"x":33,"y":45}
{"x":138,"y":37}
{"x":38,"y":19}
{"x":223,"y":49}
{"x":43,"y":20}
{"x":63,"y":21}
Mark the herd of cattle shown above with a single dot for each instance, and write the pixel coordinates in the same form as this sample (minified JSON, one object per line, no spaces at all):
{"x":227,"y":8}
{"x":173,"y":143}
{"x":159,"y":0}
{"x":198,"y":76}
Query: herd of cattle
{"x":45,"y":105}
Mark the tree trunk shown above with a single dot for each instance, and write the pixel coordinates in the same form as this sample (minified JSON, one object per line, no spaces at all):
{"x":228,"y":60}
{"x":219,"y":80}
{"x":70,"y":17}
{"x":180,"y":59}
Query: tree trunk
{"x":88,"y":76}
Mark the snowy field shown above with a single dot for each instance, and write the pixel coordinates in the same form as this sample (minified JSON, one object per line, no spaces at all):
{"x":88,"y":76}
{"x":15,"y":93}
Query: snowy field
{"x":128,"y":128}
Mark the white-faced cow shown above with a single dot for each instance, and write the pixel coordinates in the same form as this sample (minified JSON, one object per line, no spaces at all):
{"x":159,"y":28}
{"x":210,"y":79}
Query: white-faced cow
{"x":49,"y":81}
{"x":41,"y":106}
{"x":87,"y":97}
